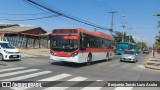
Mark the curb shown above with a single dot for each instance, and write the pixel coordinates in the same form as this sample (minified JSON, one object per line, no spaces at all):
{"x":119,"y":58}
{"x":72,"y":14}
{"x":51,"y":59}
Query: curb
{"x":151,"y":67}
{"x":147,"y":66}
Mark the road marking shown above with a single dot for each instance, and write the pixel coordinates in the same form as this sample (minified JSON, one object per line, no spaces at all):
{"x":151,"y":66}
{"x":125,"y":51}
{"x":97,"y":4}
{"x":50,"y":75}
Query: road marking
{"x":93,"y":88}
{"x":57,"y":77}
{"x":27,"y":76}
{"x":78,"y":79}
{"x":71,"y":83}
{"x":10,"y":69}
{"x":53,"y":78}
{"x":123,"y":88}
{"x":18,"y":72}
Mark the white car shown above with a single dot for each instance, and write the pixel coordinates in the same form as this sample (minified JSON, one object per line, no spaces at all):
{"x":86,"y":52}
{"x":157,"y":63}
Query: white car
{"x":129,"y":55}
{"x":8,"y":51}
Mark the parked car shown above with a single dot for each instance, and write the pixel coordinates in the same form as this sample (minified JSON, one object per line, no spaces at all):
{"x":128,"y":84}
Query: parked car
{"x":8,"y":51}
{"x":129,"y":55}
{"x":145,"y":51}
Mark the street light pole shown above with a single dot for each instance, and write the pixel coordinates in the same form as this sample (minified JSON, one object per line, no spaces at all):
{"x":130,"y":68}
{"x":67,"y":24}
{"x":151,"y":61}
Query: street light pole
{"x":123,"y":33}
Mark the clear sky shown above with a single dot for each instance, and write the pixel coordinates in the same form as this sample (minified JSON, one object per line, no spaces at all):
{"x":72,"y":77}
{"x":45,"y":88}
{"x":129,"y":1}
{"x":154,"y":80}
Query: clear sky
{"x":139,"y":19}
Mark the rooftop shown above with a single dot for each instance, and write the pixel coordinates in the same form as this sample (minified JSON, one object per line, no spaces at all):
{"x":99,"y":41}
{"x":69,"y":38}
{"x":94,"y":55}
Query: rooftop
{"x":16,"y":29}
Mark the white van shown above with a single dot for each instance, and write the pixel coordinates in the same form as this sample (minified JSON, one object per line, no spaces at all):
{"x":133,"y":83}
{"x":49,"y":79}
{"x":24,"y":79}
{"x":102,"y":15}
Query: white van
{"x":8,"y":51}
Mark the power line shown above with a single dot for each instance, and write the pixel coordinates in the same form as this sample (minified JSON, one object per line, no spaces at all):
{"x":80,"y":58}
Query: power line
{"x":20,"y":14}
{"x":103,"y":5}
{"x":62,"y":19}
{"x":51,"y":10}
{"x":97,"y":4}
{"x":29,"y":18}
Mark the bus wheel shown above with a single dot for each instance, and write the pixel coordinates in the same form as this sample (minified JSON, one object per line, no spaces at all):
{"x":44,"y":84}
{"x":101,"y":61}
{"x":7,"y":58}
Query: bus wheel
{"x":89,"y":59}
{"x":107,"y":57}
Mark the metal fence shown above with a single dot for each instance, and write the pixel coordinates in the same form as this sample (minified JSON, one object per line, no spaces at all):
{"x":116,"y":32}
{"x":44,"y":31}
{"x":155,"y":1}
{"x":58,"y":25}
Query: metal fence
{"x":29,"y":42}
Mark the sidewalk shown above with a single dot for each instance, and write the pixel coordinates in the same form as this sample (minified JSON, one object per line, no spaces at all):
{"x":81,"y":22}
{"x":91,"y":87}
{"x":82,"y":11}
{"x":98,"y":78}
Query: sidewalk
{"x":153,"y":63}
{"x":35,"y":52}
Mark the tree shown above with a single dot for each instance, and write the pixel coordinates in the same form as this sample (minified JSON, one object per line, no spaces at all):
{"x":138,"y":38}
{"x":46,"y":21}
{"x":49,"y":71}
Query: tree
{"x":143,"y":45}
{"x":157,"y":43}
{"x":120,"y":35}
{"x":132,"y":40}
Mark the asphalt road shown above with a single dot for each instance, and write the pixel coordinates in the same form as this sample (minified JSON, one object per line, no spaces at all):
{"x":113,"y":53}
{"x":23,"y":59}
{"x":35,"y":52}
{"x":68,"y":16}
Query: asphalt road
{"x":42,"y":68}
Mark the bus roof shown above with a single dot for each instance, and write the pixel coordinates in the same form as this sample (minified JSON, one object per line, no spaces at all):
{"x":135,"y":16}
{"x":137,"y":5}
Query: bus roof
{"x":98,"y":34}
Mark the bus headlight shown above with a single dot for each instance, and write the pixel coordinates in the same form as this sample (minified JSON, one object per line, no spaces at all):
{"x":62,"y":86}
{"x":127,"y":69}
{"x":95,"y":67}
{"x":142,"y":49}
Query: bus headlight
{"x":74,"y":54}
{"x":52,"y":53}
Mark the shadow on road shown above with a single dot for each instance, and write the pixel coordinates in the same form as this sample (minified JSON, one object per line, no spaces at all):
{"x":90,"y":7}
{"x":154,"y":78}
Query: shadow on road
{"x":17,"y":60}
{"x":77,"y":65}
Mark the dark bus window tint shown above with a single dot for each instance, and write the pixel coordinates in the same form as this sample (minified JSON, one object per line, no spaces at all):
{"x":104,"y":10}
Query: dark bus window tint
{"x":90,"y":41}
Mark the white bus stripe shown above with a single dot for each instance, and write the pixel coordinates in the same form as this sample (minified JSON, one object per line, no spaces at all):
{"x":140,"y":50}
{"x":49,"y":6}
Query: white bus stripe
{"x":18,"y":72}
{"x":10,"y":69}
{"x":27,"y":76}
{"x":62,"y":88}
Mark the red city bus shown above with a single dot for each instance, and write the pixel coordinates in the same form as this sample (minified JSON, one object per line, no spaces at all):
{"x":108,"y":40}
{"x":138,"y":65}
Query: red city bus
{"x":80,"y":46}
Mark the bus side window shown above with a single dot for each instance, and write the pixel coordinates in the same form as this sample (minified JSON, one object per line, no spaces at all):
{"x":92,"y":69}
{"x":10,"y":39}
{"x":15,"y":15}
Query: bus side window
{"x":106,"y":43}
{"x":88,"y":45}
{"x":102,"y":44}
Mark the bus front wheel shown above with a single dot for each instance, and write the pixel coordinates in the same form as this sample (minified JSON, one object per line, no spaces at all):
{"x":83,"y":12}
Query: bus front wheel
{"x":89,"y":59}
{"x":107,"y":57}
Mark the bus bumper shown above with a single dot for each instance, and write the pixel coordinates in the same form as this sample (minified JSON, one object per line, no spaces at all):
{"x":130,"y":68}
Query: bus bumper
{"x":74,"y":59}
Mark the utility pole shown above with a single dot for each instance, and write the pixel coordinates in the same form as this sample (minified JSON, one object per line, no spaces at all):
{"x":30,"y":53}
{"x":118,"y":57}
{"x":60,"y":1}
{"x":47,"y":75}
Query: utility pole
{"x":111,"y":29}
{"x":130,"y":34}
{"x":123,"y":33}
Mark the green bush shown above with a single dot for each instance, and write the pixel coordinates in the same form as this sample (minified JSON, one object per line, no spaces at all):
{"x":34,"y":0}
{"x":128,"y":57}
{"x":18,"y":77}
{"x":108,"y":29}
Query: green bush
{"x":157,"y":46}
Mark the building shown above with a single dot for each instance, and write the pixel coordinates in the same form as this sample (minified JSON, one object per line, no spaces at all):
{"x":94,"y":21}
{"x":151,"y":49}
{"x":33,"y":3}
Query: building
{"x":7,"y":25}
{"x":23,"y":36}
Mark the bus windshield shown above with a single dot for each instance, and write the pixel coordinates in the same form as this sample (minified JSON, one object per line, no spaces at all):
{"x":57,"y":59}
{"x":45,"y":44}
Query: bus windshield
{"x":61,"y":43}
{"x":122,"y":46}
